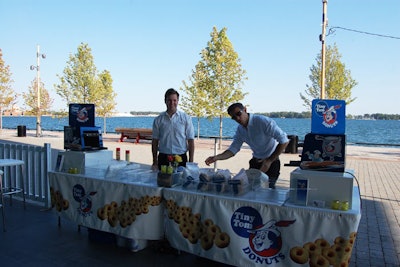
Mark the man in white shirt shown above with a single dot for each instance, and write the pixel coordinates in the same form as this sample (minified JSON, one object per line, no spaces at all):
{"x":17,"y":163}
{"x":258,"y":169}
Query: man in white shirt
{"x":263,"y":135}
{"x":173,"y":133}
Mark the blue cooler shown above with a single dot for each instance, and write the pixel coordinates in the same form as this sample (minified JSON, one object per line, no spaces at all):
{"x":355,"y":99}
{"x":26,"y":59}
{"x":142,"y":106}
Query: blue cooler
{"x":328,"y":116}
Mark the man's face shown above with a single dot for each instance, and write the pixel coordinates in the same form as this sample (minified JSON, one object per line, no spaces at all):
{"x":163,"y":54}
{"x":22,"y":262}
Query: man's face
{"x":239,"y":115}
{"x":172,"y":103}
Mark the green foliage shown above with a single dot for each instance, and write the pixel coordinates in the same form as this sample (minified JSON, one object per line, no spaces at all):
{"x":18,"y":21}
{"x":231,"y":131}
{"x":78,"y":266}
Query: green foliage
{"x":7,"y":94}
{"x":288,"y":114}
{"x":30,"y":99}
{"x":298,"y":115}
{"x":81,"y":83}
{"x":223,"y":73}
{"x":144,"y":113}
{"x":105,"y":95}
{"x":375,"y":116}
{"x":216,"y":81}
{"x":8,"y":97}
{"x":338,"y":80}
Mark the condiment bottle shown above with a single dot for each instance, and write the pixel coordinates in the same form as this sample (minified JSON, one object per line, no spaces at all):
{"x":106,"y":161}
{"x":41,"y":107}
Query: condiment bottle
{"x":127,"y":155}
{"x":118,"y":153}
{"x":335,"y":204}
{"x":345,"y":205}
{"x":170,"y":169}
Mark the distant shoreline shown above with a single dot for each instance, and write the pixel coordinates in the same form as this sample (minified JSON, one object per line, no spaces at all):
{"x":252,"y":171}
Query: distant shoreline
{"x":358,"y":132}
{"x":230,"y":138}
{"x":391,"y":117}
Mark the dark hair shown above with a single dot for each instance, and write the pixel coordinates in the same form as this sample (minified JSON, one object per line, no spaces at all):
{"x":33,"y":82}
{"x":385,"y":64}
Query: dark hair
{"x":235,"y":105}
{"x":170,"y":91}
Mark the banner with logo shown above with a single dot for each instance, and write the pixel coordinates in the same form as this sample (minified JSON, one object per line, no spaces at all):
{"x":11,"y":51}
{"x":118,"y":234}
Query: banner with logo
{"x":244,"y":232}
{"x":328,"y":116}
{"x":129,"y":210}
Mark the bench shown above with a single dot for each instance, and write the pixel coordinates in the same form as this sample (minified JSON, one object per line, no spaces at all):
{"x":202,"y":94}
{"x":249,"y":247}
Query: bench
{"x":134,"y":133}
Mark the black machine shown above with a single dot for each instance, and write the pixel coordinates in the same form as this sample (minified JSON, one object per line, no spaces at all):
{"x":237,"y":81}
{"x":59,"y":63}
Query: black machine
{"x":324,"y":152}
{"x":82,"y":134}
{"x":91,"y":138}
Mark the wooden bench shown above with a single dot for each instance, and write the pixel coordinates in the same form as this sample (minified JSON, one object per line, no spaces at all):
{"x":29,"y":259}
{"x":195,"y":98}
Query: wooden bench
{"x":134,"y":133}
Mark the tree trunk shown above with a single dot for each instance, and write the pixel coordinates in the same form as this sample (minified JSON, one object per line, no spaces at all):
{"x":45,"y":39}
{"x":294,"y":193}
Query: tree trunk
{"x":1,"y":118}
{"x":220,"y":132}
{"x":104,"y":125}
{"x":198,"y":128}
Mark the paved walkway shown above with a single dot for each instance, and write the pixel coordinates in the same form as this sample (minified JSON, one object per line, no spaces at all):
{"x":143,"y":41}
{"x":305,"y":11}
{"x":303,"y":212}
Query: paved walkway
{"x":378,"y":241}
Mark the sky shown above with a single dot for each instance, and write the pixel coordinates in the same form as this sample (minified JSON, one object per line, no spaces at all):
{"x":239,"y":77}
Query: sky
{"x":149,"y":46}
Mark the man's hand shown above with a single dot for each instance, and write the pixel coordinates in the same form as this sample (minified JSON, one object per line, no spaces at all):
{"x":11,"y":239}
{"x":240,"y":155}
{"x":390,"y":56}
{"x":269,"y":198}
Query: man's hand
{"x":210,"y":160}
{"x":266,"y":164}
{"x":154,"y":167}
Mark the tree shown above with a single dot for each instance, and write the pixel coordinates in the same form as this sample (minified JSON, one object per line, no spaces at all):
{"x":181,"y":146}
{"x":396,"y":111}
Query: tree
{"x":338,"y":81}
{"x":105,"y":103}
{"x":7,"y":95}
{"x":30,"y":99}
{"x":81,"y":83}
{"x":195,"y":101}
{"x":218,"y":78}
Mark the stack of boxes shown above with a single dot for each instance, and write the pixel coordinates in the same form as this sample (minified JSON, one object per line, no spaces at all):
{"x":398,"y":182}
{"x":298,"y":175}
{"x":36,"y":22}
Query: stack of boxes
{"x":321,"y":179}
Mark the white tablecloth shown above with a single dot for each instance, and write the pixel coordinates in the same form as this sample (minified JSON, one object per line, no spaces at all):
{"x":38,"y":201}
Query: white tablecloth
{"x":137,"y":211}
{"x":259,"y":234}
{"x":255,"y":229}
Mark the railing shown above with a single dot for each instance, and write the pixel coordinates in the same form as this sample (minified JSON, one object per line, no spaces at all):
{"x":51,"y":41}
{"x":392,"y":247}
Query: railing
{"x":37,"y":163}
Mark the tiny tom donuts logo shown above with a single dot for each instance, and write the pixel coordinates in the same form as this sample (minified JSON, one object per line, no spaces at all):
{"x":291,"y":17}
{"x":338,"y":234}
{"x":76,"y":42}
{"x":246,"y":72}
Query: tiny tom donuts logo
{"x":84,"y":200}
{"x":264,"y":239}
{"x":82,"y":114}
{"x":328,"y":113}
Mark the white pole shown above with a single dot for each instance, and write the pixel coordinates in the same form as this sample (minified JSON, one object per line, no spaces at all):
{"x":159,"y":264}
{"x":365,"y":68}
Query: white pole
{"x":324,"y":23}
{"x":215,"y":152}
{"x":38,"y":114}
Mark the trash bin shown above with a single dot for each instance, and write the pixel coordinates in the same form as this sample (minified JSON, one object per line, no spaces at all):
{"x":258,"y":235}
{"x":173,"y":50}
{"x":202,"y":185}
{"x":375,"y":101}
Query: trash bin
{"x":21,"y":129}
{"x":293,"y":143}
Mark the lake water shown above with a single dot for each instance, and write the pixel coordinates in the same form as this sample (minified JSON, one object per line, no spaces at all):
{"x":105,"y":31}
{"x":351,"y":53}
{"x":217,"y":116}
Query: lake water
{"x":357,"y":131}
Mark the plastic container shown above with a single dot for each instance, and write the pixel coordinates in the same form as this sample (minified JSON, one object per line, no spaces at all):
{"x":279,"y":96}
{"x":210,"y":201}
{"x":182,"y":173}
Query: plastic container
{"x":21,"y":130}
{"x":292,"y":147}
{"x":118,"y":153}
{"x":219,"y":182}
{"x":257,"y":179}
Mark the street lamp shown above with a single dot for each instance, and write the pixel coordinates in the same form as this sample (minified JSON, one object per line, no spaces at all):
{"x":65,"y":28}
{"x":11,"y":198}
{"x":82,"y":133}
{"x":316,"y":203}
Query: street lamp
{"x":38,"y":113}
{"x":323,"y":52}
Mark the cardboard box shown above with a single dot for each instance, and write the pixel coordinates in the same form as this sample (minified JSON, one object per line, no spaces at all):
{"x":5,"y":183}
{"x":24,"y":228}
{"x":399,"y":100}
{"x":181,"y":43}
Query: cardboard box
{"x":321,"y":188}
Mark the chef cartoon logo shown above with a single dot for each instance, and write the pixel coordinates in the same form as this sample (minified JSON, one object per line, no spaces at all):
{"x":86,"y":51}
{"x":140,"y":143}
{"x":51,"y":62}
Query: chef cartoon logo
{"x":264,"y":239}
{"x":84,"y":200}
{"x":82,"y":113}
{"x":328,"y":113}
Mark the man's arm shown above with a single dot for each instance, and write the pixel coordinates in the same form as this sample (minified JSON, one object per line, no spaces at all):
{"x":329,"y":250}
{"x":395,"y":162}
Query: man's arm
{"x":191,"y":150}
{"x":224,"y":155}
{"x":154,"y":151}
{"x":274,"y":156}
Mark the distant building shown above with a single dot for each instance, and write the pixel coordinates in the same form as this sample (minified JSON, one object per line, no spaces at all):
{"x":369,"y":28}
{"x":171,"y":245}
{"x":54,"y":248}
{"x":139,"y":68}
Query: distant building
{"x":15,"y":111}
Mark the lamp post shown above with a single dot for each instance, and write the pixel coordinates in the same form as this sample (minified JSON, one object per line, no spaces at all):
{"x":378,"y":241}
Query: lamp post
{"x":322,"y":39}
{"x":38,"y":113}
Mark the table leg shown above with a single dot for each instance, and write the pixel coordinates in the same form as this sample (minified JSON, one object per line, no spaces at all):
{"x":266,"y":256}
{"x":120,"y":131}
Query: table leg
{"x":215,"y":152}
{"x":22,"y":183}
{"x":2,"y":201}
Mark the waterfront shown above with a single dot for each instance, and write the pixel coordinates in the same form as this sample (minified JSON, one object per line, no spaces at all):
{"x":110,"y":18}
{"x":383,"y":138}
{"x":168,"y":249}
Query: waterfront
{"x":384,"y":132}
{"x":377,"y":242}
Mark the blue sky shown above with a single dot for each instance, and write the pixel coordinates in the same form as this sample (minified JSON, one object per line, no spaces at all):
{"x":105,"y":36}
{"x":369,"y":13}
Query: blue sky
{"x":149,"y":46}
